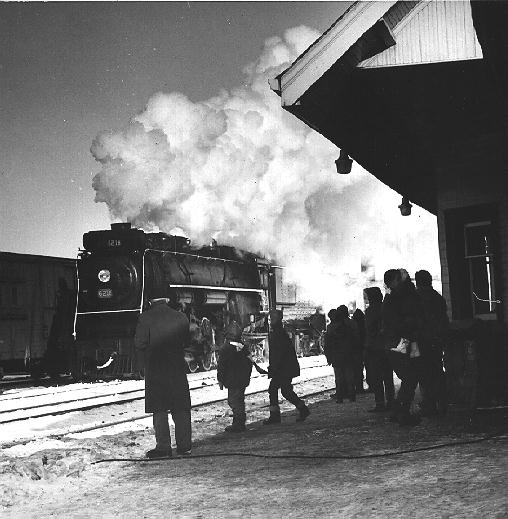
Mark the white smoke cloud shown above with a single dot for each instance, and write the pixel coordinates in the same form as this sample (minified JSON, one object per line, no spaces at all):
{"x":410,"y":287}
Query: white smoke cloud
{"x":241,"y":169}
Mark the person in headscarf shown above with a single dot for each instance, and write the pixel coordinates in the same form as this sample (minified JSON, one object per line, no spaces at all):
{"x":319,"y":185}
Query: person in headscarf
{"x":402,"y":329}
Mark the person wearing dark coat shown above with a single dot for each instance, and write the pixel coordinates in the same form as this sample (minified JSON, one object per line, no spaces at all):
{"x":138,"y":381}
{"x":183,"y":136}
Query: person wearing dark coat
{"x":358,"y":354}
{"x":233,"y":372}
{"x":402,"y":328}
{"x":340,"y":343}
{"x":161,"y":335}
{"x":317,"y":324}
{"x":282,"y":368}
{"x":433,"y":382}
{"x":381,"y":373}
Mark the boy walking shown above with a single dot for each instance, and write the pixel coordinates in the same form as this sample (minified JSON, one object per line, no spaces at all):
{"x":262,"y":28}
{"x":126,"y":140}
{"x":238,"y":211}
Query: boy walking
{"x":233,"y":371}
{"x":282,"y":369}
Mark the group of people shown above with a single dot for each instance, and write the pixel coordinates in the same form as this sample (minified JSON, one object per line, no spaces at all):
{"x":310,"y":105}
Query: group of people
{"x":235,"y":366}
{"x":414,"y":323}
{"x":162,"y":332}
{"x":402,"y":332}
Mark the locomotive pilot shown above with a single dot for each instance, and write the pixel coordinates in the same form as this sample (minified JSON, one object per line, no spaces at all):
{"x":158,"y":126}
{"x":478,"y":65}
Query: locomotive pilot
{"x":161,"y":335}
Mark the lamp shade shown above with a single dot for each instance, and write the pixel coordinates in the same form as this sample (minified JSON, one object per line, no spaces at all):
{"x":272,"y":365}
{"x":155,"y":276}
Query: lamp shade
{"x":343,"y":163}
{"x":405,"y":207}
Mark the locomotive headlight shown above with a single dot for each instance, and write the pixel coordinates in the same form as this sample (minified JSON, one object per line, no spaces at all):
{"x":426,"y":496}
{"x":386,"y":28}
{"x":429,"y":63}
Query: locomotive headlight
{"x":104,"y":275}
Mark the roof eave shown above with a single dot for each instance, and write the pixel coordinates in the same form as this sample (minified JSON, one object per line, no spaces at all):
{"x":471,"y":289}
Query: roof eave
{"x":327,"y":49}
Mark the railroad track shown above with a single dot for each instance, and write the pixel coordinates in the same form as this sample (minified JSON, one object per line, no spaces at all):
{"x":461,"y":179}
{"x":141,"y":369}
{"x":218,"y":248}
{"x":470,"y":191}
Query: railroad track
{"x":61,"y":390}
{"x":195,"y":406}
{"x":137,"y":417}
{"x":27,"y":382}
{"x":17,"y":414}
{"x":140,"y":394}
{"x":17,"y":395}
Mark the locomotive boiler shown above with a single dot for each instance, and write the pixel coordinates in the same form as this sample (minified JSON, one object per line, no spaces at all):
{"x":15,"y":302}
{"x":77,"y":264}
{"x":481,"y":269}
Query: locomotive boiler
{"x":121,"y":269}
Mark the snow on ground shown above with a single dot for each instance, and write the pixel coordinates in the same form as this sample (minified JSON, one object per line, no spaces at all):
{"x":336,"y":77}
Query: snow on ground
{"x":53,"y":470}
{"x":56,"y":478}
{"x":64,"y":424}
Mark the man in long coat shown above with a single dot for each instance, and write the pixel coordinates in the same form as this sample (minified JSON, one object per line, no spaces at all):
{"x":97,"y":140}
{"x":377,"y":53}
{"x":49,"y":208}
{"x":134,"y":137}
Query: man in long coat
{"x":161,"y":335}
{"x":340,"y":343}
{"x":433,"y":383}
{"x":283,"y":367}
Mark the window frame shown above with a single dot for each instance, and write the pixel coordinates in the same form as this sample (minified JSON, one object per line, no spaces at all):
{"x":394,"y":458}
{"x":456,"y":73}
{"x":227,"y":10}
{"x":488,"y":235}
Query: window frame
{"x":491,"y":274}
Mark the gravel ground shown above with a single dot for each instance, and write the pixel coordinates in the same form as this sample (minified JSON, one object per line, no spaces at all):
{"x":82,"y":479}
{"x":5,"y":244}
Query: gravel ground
{"x":459,"y":481}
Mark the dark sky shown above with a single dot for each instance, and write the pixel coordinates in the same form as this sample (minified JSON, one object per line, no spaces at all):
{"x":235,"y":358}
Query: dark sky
{"x":71,"y":70}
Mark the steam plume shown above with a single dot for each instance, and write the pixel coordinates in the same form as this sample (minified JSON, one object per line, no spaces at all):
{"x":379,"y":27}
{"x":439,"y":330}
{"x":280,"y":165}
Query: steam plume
{"x":238,"y":168}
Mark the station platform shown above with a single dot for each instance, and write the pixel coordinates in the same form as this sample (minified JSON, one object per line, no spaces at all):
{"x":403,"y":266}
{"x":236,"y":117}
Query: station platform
{"x":341,"y":462}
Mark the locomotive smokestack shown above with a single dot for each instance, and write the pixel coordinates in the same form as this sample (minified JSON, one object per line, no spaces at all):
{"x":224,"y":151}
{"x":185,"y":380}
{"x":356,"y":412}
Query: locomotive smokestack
{"x":123,"y":226}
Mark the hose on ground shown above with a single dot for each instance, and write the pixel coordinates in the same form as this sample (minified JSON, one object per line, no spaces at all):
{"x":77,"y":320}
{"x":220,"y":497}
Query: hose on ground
{"x":499,"y":434}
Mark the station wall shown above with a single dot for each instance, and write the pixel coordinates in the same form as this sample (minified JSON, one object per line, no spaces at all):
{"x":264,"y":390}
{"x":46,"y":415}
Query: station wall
{"x":465,"y":187}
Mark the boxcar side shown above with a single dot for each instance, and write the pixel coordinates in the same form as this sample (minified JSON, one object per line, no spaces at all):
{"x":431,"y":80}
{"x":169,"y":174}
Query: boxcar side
{"x":34,"y":291}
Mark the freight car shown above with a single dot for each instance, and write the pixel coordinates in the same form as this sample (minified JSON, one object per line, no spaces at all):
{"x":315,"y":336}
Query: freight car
{"x":121,"y":269}
{"x":37,"y":304}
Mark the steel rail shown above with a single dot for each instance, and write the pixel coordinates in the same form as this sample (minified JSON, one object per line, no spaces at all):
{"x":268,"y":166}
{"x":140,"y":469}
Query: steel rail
{"x":50,"y":404}
{"x":8,"y":397}
{"x":68,"y":388}
{"x":82,"y":408}
{"x":58,"y":436}
{"x":97,"y":405}
{"x":60,"y":402}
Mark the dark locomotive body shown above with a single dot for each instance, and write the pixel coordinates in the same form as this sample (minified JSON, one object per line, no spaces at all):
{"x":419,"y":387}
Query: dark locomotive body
{"x":121,"y":269}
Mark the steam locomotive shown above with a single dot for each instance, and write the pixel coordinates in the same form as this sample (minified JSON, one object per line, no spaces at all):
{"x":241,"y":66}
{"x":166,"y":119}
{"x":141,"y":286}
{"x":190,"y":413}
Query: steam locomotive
{"x":121,"y":269}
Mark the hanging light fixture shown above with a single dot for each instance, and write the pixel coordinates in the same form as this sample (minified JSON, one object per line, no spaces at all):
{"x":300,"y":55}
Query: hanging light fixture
{"x":343,"y":163}
{"x":405,"y":207}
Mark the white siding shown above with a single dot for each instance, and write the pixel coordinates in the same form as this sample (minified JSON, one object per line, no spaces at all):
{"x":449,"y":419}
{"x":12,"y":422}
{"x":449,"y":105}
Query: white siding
{"x":329,"y":48}
{"x":432,"y":32}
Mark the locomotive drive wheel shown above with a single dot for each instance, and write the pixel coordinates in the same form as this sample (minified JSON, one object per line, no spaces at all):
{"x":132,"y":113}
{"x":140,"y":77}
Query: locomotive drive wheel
{"x":209,"y":361}
{"x":193,"y":365}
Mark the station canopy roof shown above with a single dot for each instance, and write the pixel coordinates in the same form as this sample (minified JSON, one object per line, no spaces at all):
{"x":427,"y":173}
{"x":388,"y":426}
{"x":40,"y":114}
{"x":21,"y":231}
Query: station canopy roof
{"x":407,"y":89}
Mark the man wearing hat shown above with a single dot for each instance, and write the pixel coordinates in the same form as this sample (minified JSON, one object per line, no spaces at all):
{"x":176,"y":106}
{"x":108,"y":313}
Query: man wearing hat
{"x":161,"y":335}
{"x":283,"y":367}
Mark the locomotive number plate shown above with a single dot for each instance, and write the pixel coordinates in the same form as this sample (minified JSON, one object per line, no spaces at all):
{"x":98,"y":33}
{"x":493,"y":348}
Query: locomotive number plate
{"x":105,"y":293}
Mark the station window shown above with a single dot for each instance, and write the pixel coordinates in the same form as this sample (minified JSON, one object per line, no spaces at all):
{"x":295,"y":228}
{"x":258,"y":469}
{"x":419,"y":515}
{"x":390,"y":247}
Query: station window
{"x":473,"y":261}
{"x":479,"y":256}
